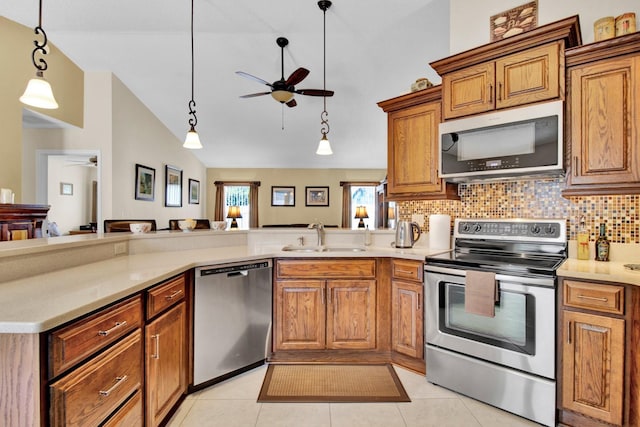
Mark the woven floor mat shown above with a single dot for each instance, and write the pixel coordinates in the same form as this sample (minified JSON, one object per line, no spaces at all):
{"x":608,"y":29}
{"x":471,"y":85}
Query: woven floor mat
{"x":332,"y":383}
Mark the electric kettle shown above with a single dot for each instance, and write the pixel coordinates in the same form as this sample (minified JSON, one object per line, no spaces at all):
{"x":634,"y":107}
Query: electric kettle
{"x":407,"y":233}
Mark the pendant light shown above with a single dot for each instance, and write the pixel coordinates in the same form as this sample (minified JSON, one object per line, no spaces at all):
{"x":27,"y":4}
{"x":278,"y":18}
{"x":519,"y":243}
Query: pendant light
{"x":38,"y":92}
{"x":324,"y":147}
{"x":192,"y":140}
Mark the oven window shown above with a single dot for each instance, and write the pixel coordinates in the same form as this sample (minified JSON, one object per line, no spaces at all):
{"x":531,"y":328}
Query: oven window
{"x":513,"y":326}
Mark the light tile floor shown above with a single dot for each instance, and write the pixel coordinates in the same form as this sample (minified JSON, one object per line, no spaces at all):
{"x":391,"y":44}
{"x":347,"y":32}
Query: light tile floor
{"x":233,"y":404}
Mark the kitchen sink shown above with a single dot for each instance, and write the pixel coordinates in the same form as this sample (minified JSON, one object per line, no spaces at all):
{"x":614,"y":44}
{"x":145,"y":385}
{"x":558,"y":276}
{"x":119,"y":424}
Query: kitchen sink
{"x":295,"y":248}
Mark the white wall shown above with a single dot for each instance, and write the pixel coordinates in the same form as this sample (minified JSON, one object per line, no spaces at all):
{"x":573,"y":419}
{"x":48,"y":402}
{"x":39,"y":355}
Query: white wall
{"x":469,"y":20}
{"x":140,"y":138}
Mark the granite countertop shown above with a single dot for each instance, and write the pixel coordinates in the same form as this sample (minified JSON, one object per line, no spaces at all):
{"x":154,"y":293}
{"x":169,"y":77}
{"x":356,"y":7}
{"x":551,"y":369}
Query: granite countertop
{"x":44,"y":301}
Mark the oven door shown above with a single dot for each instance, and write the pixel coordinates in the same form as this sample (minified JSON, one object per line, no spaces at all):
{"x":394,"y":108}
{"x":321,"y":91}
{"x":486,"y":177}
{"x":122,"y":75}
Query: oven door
{"x":520,"y":336}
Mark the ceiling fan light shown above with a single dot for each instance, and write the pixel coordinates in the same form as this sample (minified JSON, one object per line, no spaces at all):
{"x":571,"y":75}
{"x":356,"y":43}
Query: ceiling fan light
{"x":282,"y":95}
{"x":38,"y":93}
{"x":192,"y":140}
{"x":324,"y":147}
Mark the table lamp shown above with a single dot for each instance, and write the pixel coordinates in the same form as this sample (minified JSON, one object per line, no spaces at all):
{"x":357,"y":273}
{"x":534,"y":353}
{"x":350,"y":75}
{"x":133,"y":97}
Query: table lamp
{"x":361,"y":212}
{"x":234,"y":212}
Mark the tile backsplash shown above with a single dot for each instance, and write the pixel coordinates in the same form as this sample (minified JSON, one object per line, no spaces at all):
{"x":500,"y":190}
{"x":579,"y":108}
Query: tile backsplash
{"x":537,"y":199}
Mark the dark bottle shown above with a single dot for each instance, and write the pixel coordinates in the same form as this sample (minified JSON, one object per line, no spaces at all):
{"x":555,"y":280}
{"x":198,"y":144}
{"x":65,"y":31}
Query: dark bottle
{"x":602,"y":245}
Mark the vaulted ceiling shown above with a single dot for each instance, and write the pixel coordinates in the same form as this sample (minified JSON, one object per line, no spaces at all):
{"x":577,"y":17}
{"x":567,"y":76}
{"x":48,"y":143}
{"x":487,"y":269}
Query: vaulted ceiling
{"x":375,"y":49}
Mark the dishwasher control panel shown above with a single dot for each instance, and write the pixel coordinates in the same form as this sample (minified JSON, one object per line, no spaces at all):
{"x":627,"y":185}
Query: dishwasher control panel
{"x":206,"y":271}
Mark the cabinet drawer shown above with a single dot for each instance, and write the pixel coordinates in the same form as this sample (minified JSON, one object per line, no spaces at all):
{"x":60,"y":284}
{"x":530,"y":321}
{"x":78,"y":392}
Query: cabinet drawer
{"x":130,"y":415}
{"x":594,"y":296}
{"x":326,"y":269}
{"x":87,"y":395}
{"x":164,"y":296}
{"x":408,"y":270}
{"x":79,"y":340}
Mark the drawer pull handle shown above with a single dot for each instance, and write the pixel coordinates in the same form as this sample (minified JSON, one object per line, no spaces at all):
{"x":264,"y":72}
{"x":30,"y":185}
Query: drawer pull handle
{"x":108,"y":331}
{"x":603,"y":299}
{"x":410,"y":272}
{"x":156,"y":355}
{"x":173,"y":295}
{"x":119,"y":381}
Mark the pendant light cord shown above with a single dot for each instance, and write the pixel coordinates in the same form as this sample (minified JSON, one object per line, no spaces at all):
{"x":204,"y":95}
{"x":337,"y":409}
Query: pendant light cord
{"x":193,"y":121}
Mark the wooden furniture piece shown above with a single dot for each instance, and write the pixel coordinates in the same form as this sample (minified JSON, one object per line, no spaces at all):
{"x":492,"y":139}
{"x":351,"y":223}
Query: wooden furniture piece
{"x":599,"y":362}
{"x":86,"y":384}
{"x":166,"y":340}
{"x":201,"y":224}
{"x":407,"y":327}
{"x":20,"y":222}
{"x":325,"y":304}
{"x":122,"y":225}
{"x":412,"y":147}
{"x":603,"y":126}
{"x":519,"y":70}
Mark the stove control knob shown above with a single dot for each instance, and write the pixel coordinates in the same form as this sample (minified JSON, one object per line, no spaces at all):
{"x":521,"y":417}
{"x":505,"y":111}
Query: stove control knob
{"x":551,"y":230}
{"x":466,"y":227}
{"x":535,"y":229}
{"x":477,"y":228}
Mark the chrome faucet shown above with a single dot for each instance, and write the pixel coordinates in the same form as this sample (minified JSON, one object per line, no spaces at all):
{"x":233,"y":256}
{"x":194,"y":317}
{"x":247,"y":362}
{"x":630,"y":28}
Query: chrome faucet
{"x":320,"y":229}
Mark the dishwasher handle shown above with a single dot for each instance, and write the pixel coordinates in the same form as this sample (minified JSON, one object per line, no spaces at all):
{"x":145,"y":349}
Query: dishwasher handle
{"x":235,"y":269}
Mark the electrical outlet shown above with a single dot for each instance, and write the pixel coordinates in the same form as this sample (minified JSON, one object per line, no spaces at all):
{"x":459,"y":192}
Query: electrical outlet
{"x":418,"y":218}
{"x":120,"y":248}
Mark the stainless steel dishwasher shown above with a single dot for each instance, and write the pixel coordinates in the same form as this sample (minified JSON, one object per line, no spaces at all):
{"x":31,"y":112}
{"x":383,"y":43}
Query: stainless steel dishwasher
{"x":232,"y":319}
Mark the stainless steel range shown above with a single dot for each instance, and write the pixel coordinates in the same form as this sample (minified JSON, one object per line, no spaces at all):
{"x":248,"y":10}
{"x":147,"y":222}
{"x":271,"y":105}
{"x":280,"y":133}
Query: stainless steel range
{"x":505,"y":357}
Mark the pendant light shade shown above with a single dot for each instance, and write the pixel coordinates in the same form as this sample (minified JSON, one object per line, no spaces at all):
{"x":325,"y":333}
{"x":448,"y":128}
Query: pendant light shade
{"x":324,"y":147}
{"x":192,"y":141}
{"x":38,"y":92}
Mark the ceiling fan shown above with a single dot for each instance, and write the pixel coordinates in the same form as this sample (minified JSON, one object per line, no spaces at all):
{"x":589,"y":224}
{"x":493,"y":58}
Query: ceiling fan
{"x":82,"y":161}
{"x":283,"y":90}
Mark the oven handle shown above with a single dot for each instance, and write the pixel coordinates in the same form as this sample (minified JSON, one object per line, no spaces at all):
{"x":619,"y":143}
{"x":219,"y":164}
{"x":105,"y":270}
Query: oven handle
{"x":533,"y":281}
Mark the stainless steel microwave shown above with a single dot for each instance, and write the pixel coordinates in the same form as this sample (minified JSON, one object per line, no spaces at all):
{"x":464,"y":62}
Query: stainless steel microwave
{"x":524,"y":141}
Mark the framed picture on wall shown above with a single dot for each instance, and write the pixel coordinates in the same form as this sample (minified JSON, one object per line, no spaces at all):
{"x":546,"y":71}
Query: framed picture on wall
{"x":145,"y":183}
{"x":317,"y":196}
{"x":283,"y":196}
{"x":66,"y":189}
{"x":194,"y":192}
{"x":173,"y":186}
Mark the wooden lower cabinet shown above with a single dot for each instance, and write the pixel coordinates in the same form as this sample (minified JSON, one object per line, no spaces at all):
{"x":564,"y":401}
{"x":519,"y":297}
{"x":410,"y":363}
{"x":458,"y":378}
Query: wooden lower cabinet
{"x":166,"y":362}
{"x":593,"y":366}
{"x":599,"y":354}
{"x":129,"y":415}
{"x":331,"y":314}
{"x":407,"y":319}
{"x":89,"y":394}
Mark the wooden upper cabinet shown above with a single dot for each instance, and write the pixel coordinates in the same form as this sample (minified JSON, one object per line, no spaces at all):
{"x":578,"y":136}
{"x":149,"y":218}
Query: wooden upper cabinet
{"x":525,"y":77}
{"x":519,"y":70}
{"x":604,"y":115}
{"x":412,"y":147}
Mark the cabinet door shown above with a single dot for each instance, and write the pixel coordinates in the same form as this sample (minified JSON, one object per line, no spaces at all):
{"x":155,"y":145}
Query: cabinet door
{"x":407,"y":319}
{"x":529,"y":76}
{"x":468,"y":91}
{"x":593,"y":366}
{"x":413,"y":151}
{"x":165,"y":343}
{"x":351,"y":314}
{"x":299,"y":315}
{"x":604,"y":118}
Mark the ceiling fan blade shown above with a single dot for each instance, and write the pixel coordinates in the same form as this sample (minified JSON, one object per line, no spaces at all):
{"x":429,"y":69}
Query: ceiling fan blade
{"x":292,"y":103}
{"x":253,"y":95}
{"x":315,"y":92}
{"x":254,"y":78}
{"x":297,"y":76}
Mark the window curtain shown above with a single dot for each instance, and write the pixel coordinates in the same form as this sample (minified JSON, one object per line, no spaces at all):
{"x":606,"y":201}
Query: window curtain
{"x":219,"y":213}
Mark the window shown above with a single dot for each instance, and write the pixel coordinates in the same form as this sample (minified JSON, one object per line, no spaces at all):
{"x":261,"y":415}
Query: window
{"x":357,"y":194}
{"x":242,"y":194}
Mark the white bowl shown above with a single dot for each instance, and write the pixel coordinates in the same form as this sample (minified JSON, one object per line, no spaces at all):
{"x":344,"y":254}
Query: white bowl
{"x":187,"y":225}
{"x":218,"y":225}
{"x":140,"y":227}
